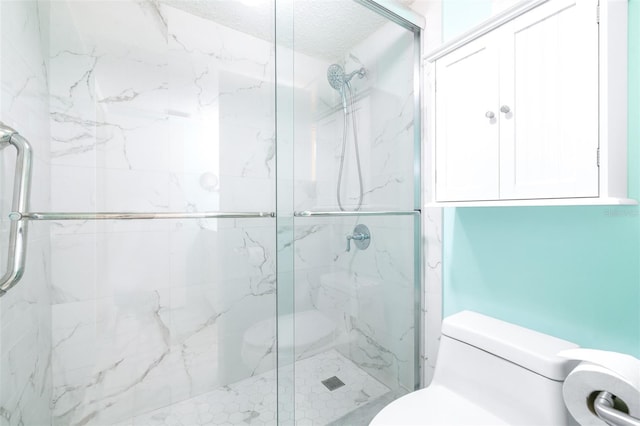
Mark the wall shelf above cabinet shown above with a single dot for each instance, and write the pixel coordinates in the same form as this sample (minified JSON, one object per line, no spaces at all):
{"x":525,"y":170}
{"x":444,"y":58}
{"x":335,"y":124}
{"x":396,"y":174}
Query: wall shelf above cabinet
{"x":539,"y":202}
{"x":530,"y":108}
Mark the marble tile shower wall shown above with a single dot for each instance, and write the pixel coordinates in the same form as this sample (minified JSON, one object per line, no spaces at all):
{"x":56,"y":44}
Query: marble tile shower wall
{"x":145,"y":314}
{"x":25,"y":312}
{"x":384,"y":109}
{"x":368,"y":294}
{"x":149,"y":313}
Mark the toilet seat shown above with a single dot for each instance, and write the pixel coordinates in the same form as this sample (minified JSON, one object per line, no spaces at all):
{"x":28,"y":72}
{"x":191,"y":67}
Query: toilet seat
{"x":435,"y":405}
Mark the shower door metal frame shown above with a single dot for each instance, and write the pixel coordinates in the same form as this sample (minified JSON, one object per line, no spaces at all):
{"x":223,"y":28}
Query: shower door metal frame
{"x":414,"y":23}
{"x":284,"y":35}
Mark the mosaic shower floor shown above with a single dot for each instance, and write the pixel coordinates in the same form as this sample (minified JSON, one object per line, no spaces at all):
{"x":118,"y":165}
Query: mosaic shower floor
{"x":252,"y":401}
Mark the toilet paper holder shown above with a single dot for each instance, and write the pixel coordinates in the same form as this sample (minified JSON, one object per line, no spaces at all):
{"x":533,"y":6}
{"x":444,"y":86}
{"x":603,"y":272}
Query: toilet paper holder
{"x":603,"y":406}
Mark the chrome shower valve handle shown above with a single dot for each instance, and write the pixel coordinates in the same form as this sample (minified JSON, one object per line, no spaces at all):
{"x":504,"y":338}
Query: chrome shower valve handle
{"x":355,"y":237}
{"x":361,"y":236}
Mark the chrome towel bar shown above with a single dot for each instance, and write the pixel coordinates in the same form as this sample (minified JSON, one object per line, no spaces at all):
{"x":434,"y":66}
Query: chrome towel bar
{"x":20,"y":215}
{"x":308,"y":213}
{"x":17,"y":216}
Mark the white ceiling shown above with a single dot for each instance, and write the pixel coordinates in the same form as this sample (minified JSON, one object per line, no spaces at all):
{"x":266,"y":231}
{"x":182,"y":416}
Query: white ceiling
{"x":324,"y":29}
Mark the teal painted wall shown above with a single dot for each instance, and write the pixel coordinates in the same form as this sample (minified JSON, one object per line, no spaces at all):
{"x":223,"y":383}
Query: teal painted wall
{"x":572,"y":272}
{"x":459,"y":16}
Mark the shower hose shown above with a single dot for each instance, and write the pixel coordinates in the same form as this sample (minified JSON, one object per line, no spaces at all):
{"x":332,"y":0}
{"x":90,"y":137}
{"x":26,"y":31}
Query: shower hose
{"x":347,"y":112}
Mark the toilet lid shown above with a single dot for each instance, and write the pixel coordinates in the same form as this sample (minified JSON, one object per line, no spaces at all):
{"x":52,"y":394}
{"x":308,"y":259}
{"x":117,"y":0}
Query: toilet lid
{"x":310,"y":327}
{"x":435,"y":405}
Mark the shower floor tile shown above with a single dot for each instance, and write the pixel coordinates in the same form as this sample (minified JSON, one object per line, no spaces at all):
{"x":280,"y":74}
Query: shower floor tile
{"x":253,"y":402}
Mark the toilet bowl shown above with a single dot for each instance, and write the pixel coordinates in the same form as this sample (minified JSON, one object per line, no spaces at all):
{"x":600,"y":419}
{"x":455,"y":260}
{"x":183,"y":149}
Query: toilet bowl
{"x":488,"y":372}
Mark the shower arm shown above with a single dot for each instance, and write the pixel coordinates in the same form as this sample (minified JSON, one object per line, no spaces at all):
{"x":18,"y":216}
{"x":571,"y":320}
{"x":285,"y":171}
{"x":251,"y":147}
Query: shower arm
{"x":360,"y":73}
{"x":18,"y":228}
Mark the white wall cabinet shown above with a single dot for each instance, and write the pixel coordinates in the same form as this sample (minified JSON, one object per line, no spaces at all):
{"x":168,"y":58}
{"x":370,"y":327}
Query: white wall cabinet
{"x":467,"y":148}
{"x":528,"y":105}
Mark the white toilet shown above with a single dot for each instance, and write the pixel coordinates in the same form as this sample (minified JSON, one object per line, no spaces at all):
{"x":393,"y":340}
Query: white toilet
{"x":488,"y":372}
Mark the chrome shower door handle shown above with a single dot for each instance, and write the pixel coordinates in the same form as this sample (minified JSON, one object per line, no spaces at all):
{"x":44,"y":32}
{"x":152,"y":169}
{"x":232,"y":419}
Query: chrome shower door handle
{"x":21,"y":188}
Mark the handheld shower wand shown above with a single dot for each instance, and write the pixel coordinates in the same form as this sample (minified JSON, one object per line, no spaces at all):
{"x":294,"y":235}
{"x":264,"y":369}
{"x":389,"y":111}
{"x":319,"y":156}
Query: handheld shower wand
{"x":340,"y":81}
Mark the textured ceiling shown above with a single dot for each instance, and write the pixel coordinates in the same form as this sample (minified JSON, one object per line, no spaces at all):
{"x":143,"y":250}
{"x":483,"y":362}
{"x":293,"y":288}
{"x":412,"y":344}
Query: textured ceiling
{"x":324,"y":29}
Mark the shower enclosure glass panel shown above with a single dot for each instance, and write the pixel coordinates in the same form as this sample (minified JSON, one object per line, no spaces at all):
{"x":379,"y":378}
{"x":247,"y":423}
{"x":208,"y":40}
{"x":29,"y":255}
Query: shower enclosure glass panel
{"x":355,"y":145}
{"x":140,"y":107}
{"x":173,"y":106}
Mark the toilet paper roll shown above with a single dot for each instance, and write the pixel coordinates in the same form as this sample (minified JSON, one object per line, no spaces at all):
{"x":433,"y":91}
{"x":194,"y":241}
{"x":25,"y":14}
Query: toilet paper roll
{"x":600,"y":371}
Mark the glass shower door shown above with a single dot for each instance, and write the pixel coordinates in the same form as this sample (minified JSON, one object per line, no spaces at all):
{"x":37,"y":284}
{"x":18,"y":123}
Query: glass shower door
{"x":209,"y":308}
{"x":353,"y":239}
{"x":163,"y":111}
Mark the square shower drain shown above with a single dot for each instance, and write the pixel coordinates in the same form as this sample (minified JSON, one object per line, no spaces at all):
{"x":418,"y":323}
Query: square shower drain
{"x":333,"y":383}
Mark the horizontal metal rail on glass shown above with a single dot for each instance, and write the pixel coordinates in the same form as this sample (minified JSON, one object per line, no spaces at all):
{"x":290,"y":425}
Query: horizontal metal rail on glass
{"x":309,"y":213}
{"x":20,"y":215}
{"x":136,"y":215}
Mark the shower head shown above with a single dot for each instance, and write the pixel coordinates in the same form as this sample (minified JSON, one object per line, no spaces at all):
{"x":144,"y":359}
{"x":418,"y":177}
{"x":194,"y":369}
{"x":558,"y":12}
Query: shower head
{"x":338,"y":79}
{"x":335,"y":75}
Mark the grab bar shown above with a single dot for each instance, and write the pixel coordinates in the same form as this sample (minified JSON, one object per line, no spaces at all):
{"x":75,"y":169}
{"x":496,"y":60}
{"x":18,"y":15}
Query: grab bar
{"x":136,"y":216}
{"x":603,"y":406}
{"x":21,"y":188}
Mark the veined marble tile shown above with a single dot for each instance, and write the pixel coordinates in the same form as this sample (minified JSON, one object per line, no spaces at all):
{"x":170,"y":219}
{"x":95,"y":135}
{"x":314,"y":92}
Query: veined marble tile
{"x":248,"y":151}
{"x":202,"y":253}
{"x":135,"y":143}
{"x":149,"y":344}
{"x":132,"y":190}
{"x":253,"y":400}
{"x":132,"y":262}
{"x":247,"y":194}
{"x":203,"y":37}
{"x":194,"y":192}
{"x":125,"y":342}
{"x":148,"y":314}
{"x":368,"y":294}
{"x":432,"y":303}
{"x":25,"y":316}
{"x":74,"y":261}
{"x":195,"y":144}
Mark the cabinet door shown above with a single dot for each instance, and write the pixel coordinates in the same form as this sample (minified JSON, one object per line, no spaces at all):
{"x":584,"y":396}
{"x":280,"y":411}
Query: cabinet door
{"x":466,"y":139}
{"x":549,"y":82}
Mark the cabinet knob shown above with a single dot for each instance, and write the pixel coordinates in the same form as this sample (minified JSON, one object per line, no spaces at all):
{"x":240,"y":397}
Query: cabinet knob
{"x":490,"y":115}
{"x":505,"y":109}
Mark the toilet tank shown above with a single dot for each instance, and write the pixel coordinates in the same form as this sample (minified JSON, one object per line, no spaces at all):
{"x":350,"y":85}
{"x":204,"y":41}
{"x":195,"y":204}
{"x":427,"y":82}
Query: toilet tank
{"x":511,"y":371}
